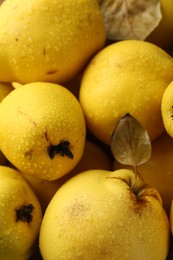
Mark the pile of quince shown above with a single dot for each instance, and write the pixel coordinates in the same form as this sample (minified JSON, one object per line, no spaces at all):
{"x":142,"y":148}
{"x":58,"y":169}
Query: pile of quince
{"x":86,"y":129}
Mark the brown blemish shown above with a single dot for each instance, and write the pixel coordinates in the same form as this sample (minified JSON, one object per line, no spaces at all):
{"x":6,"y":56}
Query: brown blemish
{"x":28,"y":154}
{"x":32,"y":121}
{"x":89,"y":18}
{"x":151,"y":192}
{"x":44,"y":51}
{"x":22,"y":57}
{"x":46,"y":135}
{"x":76,"y":209}
{"x":140,"y":198}
{"x":51,"y":72}
{"x":139,"y":202}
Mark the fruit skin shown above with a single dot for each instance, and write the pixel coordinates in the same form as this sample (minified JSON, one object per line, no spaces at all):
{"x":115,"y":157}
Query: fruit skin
{"x":35,"y":118}
{"x":127,"y":77}
{"x":158,"y":171}
{"x":17,"y":237}
{"x":167,"y":109}
{"x":48,"y":40}
{"x":5,"y":89}
{"x":163,"y":34}
{"x":93,"y":158}
{"x":171,"y":217}
{"x":105,"y":215}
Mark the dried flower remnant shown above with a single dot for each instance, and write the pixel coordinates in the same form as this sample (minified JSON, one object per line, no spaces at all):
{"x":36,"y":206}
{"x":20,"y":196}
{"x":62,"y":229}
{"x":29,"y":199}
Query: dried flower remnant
{"x":24,"y":213}
{"x":130,"y":19}
{"x":62,"y":148}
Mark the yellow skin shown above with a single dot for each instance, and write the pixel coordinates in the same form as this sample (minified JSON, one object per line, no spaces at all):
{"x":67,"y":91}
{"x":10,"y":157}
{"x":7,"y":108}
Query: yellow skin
{"x":93,"y":158}
{"x":167,"y":109}
{"x":97,"y":215}
{"x":17,"y":237}
{"x":171,"y":217}
{"x":163,"y":34}
{"x":48,"y":40}
{"x":158,"y":171}
{"x":5,"y":89}
{"x":125,"y":77}
{"x":171,"y":225}
{"x":37,"y":119}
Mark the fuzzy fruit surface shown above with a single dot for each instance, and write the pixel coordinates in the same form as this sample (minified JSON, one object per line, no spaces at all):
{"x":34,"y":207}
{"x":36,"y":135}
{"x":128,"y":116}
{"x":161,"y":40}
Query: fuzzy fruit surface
{"x":43,"y":131}
{"x":48,"y":41}
{"x":105,"y":215}
{"x":126,"y":77}
{"x":20,"y":215}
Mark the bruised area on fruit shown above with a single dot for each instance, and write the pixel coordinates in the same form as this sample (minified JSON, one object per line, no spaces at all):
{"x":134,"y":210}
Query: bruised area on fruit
{"x":76,"y":209}
{"x":24,"y":213}
{"x":63,"y":148}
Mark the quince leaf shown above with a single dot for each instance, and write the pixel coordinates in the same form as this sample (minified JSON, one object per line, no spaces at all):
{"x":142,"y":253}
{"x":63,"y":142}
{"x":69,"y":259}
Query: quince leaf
{"x":130,"y":19}
{"x":130,"y":143}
